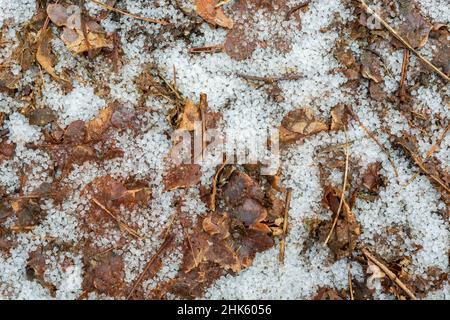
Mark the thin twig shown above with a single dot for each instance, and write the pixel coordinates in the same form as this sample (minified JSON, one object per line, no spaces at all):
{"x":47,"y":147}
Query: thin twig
{"x":203,"y":106}
{"x":150,"y":263}
{"x":122,"y":225}
{"x":350,"y":283}
{"x":272,"y":79}
{"x":402,"y":88}
{"x":419,"y":162}
{"x":207,"y":49}
{"x":388,"y":272}
{"x":430,"y":152}
{"x":371,"y":136}
{"x":285,"y":225}
{"x":296,"y":8}
{"x":214,"y":186}
{"x":403,"y":41}
{"x":221,"y":3}
{"x":162,"y":22}
{"x":344,"y":186}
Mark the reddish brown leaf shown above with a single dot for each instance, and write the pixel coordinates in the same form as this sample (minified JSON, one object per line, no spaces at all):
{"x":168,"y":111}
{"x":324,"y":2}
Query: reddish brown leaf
{"x":208,"y":10}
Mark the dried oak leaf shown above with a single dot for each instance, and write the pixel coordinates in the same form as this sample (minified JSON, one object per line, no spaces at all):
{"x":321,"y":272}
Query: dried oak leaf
{"x":208,"y":10}
{"x":190,"y":115}
{"x":415,"y":29}
{"x":371,"y":67}
{"x":372,"y":179}
{"x":299,"y":124}
{"x":58,"y":14}
{"x":112,"y":193}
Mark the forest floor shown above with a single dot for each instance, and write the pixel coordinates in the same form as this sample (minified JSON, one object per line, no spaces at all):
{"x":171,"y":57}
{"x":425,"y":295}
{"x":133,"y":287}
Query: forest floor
{"x":94,"y":204}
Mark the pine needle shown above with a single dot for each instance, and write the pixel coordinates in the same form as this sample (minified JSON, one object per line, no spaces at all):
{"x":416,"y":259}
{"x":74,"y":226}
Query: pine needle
{"x":125,"y":13}
{"x":389,"y":273}
{"x":344,"y":186}
{"x":403,"y":41}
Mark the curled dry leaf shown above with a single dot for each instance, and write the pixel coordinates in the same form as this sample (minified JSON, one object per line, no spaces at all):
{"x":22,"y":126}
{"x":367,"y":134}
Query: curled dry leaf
{"x":376,"y":275}
{"x":44,"y":54}
{"x":208,"y":10}
{"x":415,"y":29}
{"x":371,"y":178}
{"x":74,"y":37}
{"x":300,"y":123}
{"x":371,"y":67}
{"x":191,"y":114}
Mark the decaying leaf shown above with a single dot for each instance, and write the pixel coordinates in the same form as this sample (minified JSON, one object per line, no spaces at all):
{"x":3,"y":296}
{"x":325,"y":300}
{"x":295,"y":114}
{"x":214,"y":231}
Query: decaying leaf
{"x":339,"y":117}
{"x":371,"y":67}
{"x":96,"y":127}
{"x":227,"y":240}
{"x":376,"y":275}
{"x":79,"y":33}
{"x":182,"y":176}
{"x":41,"y":116}
{"x":343,"y":239}
{"x":104,"y":273}
{"x":191,"y":114}
{"x":243,"y":39}
{"x":371,"y":178}
{"x":44,"y":54}
{"x":208,"y":10}
{"x":415,"y":29}
{"x":327,"y":294}
{"x":28,"y":212}
{"x":440,"y":44}
{"x":300,"y":123}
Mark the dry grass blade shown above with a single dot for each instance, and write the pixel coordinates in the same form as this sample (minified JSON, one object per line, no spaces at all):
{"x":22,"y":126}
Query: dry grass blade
{"x":389,"y":273}
{"x":122,"y":225}
{"x":162,"y":22}
{"x":402,"y":89}
{"x":344,"y":186}
{"x":285,"y":225}
{"x":403,"y":41}
{"x":350,"y":283}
